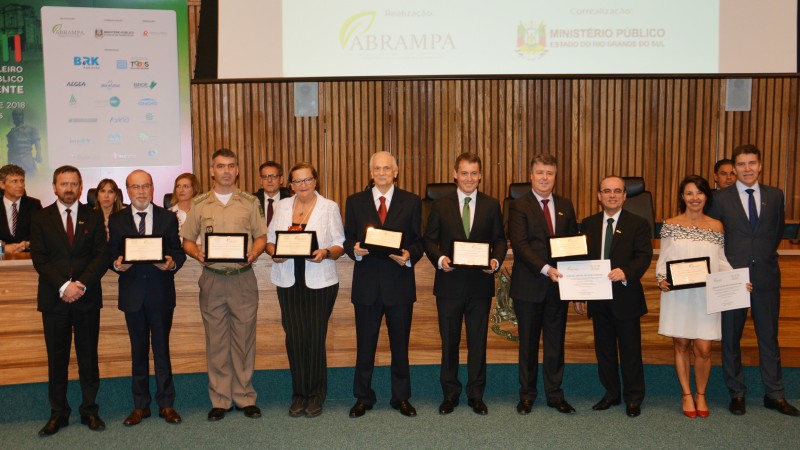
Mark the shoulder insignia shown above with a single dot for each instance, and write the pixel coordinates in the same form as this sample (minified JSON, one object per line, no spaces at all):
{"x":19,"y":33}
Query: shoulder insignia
{"x":248,"y":196}
{"x":201,"y":198}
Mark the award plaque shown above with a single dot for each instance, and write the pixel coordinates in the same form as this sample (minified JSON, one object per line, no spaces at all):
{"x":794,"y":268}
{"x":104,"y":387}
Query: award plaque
{"x":226,"y":247}
{"x":568,"y":246}
{"x":137,"y":249}
{"x":688,"y":273}
{"x":472,"y":254}
{"x":383,"y":241}
{"x":295,"y":244}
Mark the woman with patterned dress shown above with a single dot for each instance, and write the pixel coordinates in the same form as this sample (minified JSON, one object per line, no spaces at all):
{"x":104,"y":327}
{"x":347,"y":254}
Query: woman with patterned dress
{"x":691,"y":234}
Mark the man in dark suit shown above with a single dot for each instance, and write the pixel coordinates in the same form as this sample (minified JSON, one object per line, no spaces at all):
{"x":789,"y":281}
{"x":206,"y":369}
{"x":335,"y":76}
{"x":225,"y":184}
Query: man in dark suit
{"x":753,"y":216}
{"x":533,"y":218}
{"x":383,"y":286}
{"x":724,"y":173}
{"x":68,"y":249}
{"x":624,"y":238}
{"x":272,"y":190}
{"x":464,"y":293}
{"x":147,"y":295}
{"x":15,"y":218}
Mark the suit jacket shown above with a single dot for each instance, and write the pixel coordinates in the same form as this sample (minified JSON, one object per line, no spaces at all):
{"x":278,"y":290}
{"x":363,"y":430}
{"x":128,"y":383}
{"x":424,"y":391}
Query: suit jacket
{"x":25,"y":209}
{"x":530,"y":240}
{"x":145,"y":281}
{"x":57,"y":262}
{"x":260,"y":194}
{"x":445,"y":226}
{"x":744,"y":247}
{"x":631,"y":251}
{"x":378,"y":275}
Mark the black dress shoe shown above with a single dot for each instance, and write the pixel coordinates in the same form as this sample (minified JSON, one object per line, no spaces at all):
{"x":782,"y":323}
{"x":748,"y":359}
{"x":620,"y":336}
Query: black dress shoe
{"x":633,"y":410}
{"x":478,"y":407}
{"x":359,"y":409}
{"x":136,"y":416}
{"x":736,"y":406}
{"x":524,"y":407}
{"x":218,"y":413}
{"x":563,"y":407}
{"x":252,"y":411}
{"x":53,"y":425}
{"x":781,"y":405}
{"x":94,"y":422}
{"x":298,"y":407}
{"x":405,"y":409}
{"x":448,"y":406}
{"x":604,"y":404}
{"x":314,"y":407}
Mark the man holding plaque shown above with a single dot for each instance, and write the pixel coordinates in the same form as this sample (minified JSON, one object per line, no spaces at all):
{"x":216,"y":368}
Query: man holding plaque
{"x":753,"y":216}
{"x":228,"y":290}
{"x":533,"y":219}
{"x":472,"y":221}
{"x":147,"y":291}
{"x":623,"y":238}
{"x":383,"y":281}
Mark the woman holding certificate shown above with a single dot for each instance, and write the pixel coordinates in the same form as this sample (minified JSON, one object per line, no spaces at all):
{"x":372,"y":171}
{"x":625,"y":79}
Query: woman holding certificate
{"x":307,"y":283}
{"x":689,"y":239}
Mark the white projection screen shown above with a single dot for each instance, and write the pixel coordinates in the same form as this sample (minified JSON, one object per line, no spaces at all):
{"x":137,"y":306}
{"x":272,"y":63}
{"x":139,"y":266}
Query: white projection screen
{"x":394,"y":38}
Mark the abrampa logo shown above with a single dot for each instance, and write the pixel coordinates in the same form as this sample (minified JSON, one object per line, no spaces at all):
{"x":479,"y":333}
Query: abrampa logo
{"x":357,"y":23}
{"x":59,"y":30}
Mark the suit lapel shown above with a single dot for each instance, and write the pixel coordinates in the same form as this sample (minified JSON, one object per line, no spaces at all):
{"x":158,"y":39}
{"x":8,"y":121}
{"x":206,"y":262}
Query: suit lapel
{"x":58,"y":226}
{"x":619,"y":229}
{"x":452,"y":204}
{"x":394,"y":208}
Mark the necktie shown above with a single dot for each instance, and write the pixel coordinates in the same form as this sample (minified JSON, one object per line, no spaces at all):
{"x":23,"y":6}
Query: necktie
{"x":70,"y":228}
{"x":382,"y":209}
{"x":547,"y":218}
{"x":609,"y":237}
{"x":465,"y":215}
{"x":14,"y":214}
{"x":270,"y":211}
{"x":752,"y":212}
{"x":141,"y":222}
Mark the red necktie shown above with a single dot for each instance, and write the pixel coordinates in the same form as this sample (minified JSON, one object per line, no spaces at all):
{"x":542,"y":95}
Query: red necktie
{"x":14,"y":214}
{"x":382,"y":209}
{"x":269,"y":210}
{"x":547,"y":217}
{"x":70,"y":228}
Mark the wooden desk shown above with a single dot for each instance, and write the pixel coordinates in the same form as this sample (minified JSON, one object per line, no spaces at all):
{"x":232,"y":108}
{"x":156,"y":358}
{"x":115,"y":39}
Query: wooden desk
{"x":23,"y":358}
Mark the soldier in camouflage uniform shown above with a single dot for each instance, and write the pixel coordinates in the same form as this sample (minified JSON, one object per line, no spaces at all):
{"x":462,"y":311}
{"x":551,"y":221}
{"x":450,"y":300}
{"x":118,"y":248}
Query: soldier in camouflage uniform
{"x":21,"y":139}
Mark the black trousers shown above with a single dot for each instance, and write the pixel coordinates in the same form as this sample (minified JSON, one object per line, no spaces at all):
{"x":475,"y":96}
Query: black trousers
{"x":304,"y":315}
{"x":58,"y":331}
{"x":474,"y":310}
{"x":150,"y":324}
{"x":611,"y":333}
{"x":549,"y":320}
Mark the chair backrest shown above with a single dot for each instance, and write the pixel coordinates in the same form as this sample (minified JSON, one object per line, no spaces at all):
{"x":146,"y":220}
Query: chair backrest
{"x":91,"y":196}
{"x":639,"y":201}
{"x":433,"y":192}
{"x":168,"y":200}
{"x":515,"y":190}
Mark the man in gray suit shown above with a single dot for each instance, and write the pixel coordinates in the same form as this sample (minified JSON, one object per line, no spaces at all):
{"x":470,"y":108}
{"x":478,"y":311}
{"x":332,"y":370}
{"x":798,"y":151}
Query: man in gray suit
{"x":753,"y":217}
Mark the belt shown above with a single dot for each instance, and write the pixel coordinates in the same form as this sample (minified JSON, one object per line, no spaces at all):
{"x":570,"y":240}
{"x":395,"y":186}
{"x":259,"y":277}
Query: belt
{"x":229,"y":272}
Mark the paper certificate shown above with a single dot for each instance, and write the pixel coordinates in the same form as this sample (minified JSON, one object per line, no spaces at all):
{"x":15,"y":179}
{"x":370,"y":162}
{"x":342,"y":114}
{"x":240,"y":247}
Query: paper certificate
{"x":585,"y":280}
{"x":294,"y":244}
{"x":382,"y":240}
{"x":688,"y":273}
{"x":226,"y":247}
{"x":143,"y":249}
{"x":471,"y":254}
{"x":727,"y":290}
{"x":562,"y":247}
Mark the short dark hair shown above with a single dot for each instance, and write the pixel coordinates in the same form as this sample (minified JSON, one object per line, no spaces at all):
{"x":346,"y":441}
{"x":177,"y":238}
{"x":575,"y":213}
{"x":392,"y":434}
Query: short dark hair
{"x":721,"y":163}
{"x":67,"y":169}
{"x":274,"y":164}
{"x":545,"y":160}
{"x":469,"y":157}
{"x":746,"y":149}
{"x":701,"y":184}
{"x":224,"y":152}
{"x":11,"y":169}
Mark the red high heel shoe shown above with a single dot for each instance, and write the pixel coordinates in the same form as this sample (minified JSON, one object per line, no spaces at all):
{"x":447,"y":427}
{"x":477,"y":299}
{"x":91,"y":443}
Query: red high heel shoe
{"x":701,"y":412}
{"x":689,"y":414}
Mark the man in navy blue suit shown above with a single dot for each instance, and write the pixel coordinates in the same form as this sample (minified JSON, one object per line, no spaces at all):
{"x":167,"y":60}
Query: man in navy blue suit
{"x":147,"y":295}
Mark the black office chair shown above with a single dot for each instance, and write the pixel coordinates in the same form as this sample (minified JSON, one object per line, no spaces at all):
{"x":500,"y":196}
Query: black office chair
{"x":91,"y":197}
{"x":639,"y":201}
{"x":515,"y":191}
{"x":168,"y":200}
{"x":433,"y":192}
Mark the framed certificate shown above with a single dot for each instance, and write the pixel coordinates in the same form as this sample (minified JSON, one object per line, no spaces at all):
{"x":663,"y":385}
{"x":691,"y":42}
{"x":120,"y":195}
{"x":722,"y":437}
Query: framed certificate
{"x":472,"y":254}
{"x":295,"y":244}
{"x":568,"y":246}
{"x":226,"y":247}
{"x":383,"y":241}
{"x":138,"y":249}
{"x":688,"y":273}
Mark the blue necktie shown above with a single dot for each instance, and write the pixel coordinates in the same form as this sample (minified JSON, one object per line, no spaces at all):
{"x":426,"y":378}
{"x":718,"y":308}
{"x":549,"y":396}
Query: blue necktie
{"x":752,"y":212}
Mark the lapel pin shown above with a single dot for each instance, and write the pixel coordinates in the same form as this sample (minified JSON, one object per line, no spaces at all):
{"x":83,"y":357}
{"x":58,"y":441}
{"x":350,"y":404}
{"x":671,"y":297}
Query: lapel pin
{"x":80,"y":222}
{"x":618,"y":231}
{"x":560,"y":213}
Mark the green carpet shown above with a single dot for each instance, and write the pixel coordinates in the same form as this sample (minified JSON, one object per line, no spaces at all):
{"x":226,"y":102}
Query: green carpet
{"x":24,"y":409}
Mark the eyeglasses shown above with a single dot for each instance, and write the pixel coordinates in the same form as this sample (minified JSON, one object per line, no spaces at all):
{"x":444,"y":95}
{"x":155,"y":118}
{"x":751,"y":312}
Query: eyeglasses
{"x":306,"y":181}
{"x":610,"y":191}
{"x":140,"y":187}
{"x":270,"y":177}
